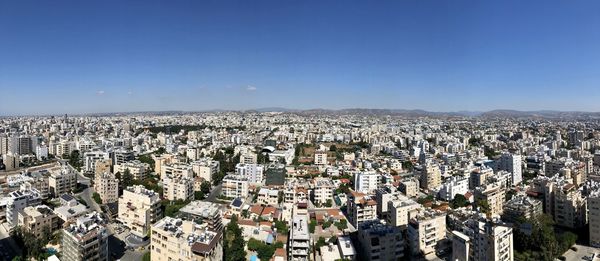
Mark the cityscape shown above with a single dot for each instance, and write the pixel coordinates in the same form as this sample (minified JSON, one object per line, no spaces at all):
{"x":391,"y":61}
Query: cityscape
{"x":299,"y":131}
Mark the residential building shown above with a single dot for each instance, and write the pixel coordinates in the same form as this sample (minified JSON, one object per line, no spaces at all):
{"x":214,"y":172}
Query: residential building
{"x":379,"y":241}
{"x":107,"y":186}
{"x":178,"y":188}
{"x":19,"y":200}
{"x":38,"y":220}
{"x":205,"y":168}
{"x":269,"y":197}
{"x":367,"y":182}
{"x":299,"y":240}
{"x":207,"y":212}
{"x":86,"y":239}
{"x":252,"y":172}
{"x":139,"y":208}
{"x":361,"y":207}
{"x":452,"y":186}
{"x":137,"y":169}
{"x":594,"y":217}
{"x":521,"y":206}
{"x":430,"y":176}
{"x":63,"y":180}
{"x":323,"y":191}
{"x":425,"y":230}
{"x":185,"y":240}
{"x":234,"y":187}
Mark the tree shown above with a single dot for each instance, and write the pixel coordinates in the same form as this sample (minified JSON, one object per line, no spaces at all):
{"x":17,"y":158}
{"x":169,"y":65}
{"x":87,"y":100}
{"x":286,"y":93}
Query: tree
{"x":321,"y":242}
{"x":127,"y":178}
{"x":199,"y":195}
{"x":97,"y":198}
{"x":326,"y":224}
{"x":484,"y":206}
{"x":205,"y":187}
{"x":146,"y":256}
{"x":281,"y":226}
{"x":312,"y":225}
{"x":459,"y":201}
{"x":233,"y":247}
{"x":343,"y":224}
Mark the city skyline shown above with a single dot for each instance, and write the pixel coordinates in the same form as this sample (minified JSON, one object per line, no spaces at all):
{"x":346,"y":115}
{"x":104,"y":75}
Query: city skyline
{"x":72,"y":57}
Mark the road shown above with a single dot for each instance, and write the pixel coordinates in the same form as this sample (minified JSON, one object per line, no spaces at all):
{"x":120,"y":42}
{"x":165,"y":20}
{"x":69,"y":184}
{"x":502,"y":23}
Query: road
{"x":214,"y":193}
{"x":86,"y":195}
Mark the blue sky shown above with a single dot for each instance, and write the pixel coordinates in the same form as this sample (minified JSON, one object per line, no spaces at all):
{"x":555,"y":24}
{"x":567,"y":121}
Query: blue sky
{"x":109,"y":56}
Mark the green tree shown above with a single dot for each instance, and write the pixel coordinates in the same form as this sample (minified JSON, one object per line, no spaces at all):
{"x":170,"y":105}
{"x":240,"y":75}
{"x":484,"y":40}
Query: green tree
{"x":321,"y":242}
{"x":127,"y":178}
{"x":341,"y":225}
{"x":459,"y":201}
{"x":233,"y":247}
{"x":147,"y":256}
{"x":312,"y":225}
{"x":97,"y":198}
{"x":282,"y":226}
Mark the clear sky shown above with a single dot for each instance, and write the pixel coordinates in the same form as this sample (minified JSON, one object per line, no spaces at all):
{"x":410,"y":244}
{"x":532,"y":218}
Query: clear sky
{"x":111,"y":56}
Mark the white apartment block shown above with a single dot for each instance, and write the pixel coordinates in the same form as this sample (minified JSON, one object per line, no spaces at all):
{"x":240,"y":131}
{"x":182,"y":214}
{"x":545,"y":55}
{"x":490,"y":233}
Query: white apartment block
{"x":367,"y":182}
{"x":19,"y":200}
{"x":269,"y":197}
{"x":361,"y":208}
{"x":299,"y":241}
{"x":234,"y":187}
{"x":513,"y":164}
{"x":107,"y":186}
{"x":401,"y":209}
{"x":323,"y":190}
{"x":139,"y":208}
{"x":252,"y":172}
{"x":85,"y":239}
{"x":185,"y":240}
{"x":91,"y":157}
{"x":454,"y":185}
{"x":425,"y":230}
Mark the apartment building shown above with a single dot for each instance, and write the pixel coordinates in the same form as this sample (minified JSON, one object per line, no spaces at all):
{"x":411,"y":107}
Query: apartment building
{"x":425,"y":230}
{"x":85,"y":239}
{"x":177,"y":170}
{"x":138,"y":209}
{"x":107,"y":186}
{"x":481,"y":239}
{"x":430,"y":176}
{"x":63,"y":180}
{"x":207,"y":212}
{"x":234,"y":186}
{"x":361,"y":207}
{"x":367,"y":182}
{"x":185,"y":240}
{"x":179,"y":187}
{"x":379,"y":241}
{"x":91,"y":157}
{"x":19,"y":200}
{"x":252,"y":172}
{"x":205,"y":168}
{"x":323,"y":190}
{"x":268,"y":197}
{"x":401,"y":209}
{"x":570,"y":209}
{"x":38,"y":220}
{"x":594,"y":217}
{"x":513,"y":164}
{"x":521,"y":206}
{"x":452,"y":186}
{"x":494,"y":194}
{"x":138,"y":170}
{"x":410,"y":187}
{"x":320,"y":157}
{"x":299,"y":240}
{"x":248,"y":158}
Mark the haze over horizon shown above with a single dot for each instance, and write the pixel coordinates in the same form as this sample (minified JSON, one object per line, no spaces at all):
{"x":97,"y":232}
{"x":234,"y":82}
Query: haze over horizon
{"x":95,"y":57}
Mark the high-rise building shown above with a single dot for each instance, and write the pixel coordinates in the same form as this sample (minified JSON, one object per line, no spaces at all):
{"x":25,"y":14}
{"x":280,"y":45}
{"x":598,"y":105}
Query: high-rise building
{"x":594,"y":217}
{"x":511,"y":163}
{"x":430,"y":176}
{"x":63,"y":180}
{"x":107,"y":186}
{"x":86,"y":239}
{"x":425,"y":230}
{"x":299,"y":240}
{"x":367,"y":182}
{"x":252,"y":172}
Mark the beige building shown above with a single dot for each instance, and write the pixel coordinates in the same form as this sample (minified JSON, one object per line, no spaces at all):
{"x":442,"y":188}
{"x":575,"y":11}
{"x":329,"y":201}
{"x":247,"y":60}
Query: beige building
{"x":320,"y":157}
{"x":137,"y":169}
{"x":182,"y":240}
{"x":107,"y":186}
{"x":425,"y":230}
{"x":570,"y":208}
{"x":139,"y":208}
{"x":63,"y":180}
{"x":323,"y":190}
{"x":430,"y":176}
{"x":162,"y":160}
{"x":178,"y":188}
{"x":494,"y":194}
{"x":38,"y":220}
{"x":268,"y":197}
{"x":205,"y":168}
{"x":103,"y":166}
{"x":410,"y":187}
{"x":401,"y":209}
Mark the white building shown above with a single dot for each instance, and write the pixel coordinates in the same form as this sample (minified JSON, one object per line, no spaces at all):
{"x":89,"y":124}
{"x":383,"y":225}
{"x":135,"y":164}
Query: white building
{"x":234,"y":187}
{"x":454,"y":185}
{"x":139,"y":208}
{"x":367,"y":182}
{"x":511,"y":163}
{"x":252,"y":172}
